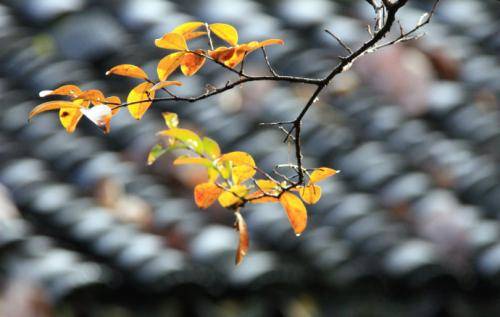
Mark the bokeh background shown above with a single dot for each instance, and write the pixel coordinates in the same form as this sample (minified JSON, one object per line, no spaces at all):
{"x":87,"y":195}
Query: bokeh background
{"x":408,"y":228}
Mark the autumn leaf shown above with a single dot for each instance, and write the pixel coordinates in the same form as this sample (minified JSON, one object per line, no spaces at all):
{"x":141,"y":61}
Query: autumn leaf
{"x":211,"y":148}
{"x":138,"y":93}
{"x":168,"y":65}
{"x":243,"y":165}
{"x":320,"y":174}
{"x":295,"y":210}
{"x":205,"y":194}
{"x":310,"y":194}
{"x":157,"y":151}
{"x":128,"y":70}
{"x":188,"y":30}
{"x":244,"y":241}
{"x":95,"y":96}
{"x":191,"y":63}
{"x":52,"y":105}
{"x":70,"y":117}
{"x":184,"y":160}
{"x":188,"y":137}
{"x":226,"y":32}
{"x":232,"y":56}
{"x":65,"y":90}
{"x":163,"y":84}
{"x":231,"y":198}
{"x":171,"y":119}
{"x":172,"y":41}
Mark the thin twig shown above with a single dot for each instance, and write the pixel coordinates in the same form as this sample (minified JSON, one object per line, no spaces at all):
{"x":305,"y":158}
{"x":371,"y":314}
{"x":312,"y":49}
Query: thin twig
{"x":344,"y":45}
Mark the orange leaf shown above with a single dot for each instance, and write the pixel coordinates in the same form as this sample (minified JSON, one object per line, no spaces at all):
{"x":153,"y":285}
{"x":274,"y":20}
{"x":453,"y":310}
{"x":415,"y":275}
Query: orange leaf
{"x":259,"y":198}
{"x":205,"y":194}
{"x":295,"y":210}
{"x":321,"y":173}
{"x":168,"y":65}
{"x":193,"y":35}
{"x":183,"y":160}
{"x":113,"y":101}
{"x":172,"y":41}
{"x":163,"y":84}
{"x":140,"y":92}
{"x":222,"y":54}
{"x":128,"y":70}
{"x":191,"y":63}
{"x":271,"y":42}
{"x":52,"y":105}
{"x":243,"y":165}
{"x":310,"y":193}
{"x":187,"y":27}
{"x":65,"y":90}
{"x":226,"y":32}
{"x":244,"y":241}
{"x":93,"y":95}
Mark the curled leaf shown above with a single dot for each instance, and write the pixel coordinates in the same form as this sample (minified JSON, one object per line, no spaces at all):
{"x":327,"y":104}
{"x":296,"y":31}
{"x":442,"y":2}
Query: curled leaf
{"x":128,"y":70}
{"x":52,"y":105}
{"x":93,"y":95}
{"x":172,"y":41}
{"x":65,"y":90}
{"x":205,"y":194}
{"x":188,"y":137}
{"x":295,"y":210}
{"x":244,"y":241}
{"x":171,"y":119}
{"x":157,"y":151}
{"x":310,"y":194}
{"x":168,"y":65}
{"x":139,"y":99}
{"x":226,"y":32}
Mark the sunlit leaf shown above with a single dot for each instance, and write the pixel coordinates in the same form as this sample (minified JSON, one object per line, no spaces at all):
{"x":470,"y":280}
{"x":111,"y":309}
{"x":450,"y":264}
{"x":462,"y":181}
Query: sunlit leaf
{"x":193,"y":35}
{"x":268,"y":186}
{"x":166,"y":83}
{"x":188,"y":137}
{"x":226,"y":32}
{"x":93,"y":95}
{"x":65,"y":90}
{"x":271,"y":42}
{"x":205,"y":194}
{"x":231,"y":198}
{"x":310,"y":193}
{"x":191,"y":63}
{"x":128,"y":70}
{"x":183,"y":160}
{"x":70,"y":117}
{"x":321,"y":173}
{"x":259,"y":198}
{"x":212,"y":149}
{"x":243,"y":165}
{"x":187,"y":27}
{"x":244,"y":242}
{"x":171,"y":119}
{"x":157,"y":151}
{"x":172,"y":41}
{"x":113,"y":102}
{"x":136,"y":95}
{"x":100,"y":115}
{"x":222,"y":54}
{"x":52,"y":105}
{"x":295,"y":210}
{"x":168,"y":65}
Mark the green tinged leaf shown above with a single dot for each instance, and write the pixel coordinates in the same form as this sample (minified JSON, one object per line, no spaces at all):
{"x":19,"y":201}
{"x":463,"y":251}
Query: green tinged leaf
{"x":157,"y":151}
{"x":212,"y":149}
{"x":188,"y":137}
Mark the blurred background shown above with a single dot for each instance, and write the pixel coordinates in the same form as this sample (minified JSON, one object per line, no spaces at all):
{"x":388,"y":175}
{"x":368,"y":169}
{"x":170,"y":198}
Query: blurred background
{"x":409,"y":228}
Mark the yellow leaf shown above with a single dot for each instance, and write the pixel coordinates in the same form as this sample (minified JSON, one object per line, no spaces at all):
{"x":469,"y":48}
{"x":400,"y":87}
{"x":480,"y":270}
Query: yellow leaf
{"x":231,"y":198}
{"x":226,"y":32}
{"x":70,"y":117}
{"x":168,"y":65}
{"x":295,"y":210}
{"x":188,"y":137}
{"x":267,"y":186}
{"x":157,"y":151}
{"x":244,"y":242}
{"x":52,"y":105}
{"x":172,"y":41}
{"x":171,"y":119}
{"x":243,"y":165}
{"x":128,"y":70}
{"x":188,"y":27}
{"x":193,"y":35}
{"x":211,"y":148}
{"x":205,"y":194}
{"x":191,"y":63}
{"x":259,"y":198}
{"x":321,"y":173}
{"x":140,"y":92}
{"x":163,"y":84}
{"x":183,"y":160}
{"x":65,"y":90}
{"x":310,"y":193}
{"x":222,"y":54}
